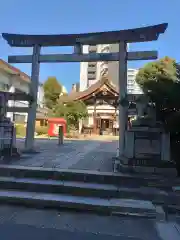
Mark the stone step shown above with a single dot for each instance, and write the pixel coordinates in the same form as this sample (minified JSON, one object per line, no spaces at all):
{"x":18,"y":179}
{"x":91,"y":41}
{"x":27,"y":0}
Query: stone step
{"x":58,"y":186}
{"x":90,"y":189}
{"x":119,"y":179}
{"x":58,"y":201}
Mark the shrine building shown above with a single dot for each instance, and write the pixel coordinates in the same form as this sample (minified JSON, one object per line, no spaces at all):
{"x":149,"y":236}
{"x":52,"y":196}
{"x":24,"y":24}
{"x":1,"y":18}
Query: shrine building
{"x":101,"y":100}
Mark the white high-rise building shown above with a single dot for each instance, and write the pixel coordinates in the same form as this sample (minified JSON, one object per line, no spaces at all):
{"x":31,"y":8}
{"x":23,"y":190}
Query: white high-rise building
{"x":132,"y":86}
{"x":93,"y":71}
{"x":84,"y":71}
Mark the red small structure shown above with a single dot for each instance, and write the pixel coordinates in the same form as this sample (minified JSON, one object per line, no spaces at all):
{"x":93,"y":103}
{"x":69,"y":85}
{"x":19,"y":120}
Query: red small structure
{"x":54,"y":124}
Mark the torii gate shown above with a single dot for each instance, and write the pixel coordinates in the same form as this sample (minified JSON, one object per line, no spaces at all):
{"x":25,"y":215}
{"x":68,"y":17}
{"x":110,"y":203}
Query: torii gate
{"x":150,"y":33}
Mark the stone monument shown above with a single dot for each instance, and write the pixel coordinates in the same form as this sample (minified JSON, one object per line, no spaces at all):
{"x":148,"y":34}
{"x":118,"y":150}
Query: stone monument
{"x":147,"y":144}
{"x":8,"y":149}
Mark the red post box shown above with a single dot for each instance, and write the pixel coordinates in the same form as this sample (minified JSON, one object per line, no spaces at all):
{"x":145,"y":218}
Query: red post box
{"x":54,"y":124}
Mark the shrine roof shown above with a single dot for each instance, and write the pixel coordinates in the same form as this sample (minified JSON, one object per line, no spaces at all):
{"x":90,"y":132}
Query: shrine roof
{"x":93,"y":89}
{"x":149,"y":33}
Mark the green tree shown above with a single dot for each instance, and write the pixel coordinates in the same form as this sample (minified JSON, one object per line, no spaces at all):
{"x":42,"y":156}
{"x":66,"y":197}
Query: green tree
{"x":160,"y":80}
{"x":71,"y":111}
{"x":52,"y":90}
{"x":153,"y":71}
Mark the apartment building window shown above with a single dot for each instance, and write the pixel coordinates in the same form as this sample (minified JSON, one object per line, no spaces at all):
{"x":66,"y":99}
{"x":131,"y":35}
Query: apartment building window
{"x":131,"y":75}
{"x":92,"y":49}
{"x":91,"y":65}
{"x":91,"y":78}
{"x":91,"y":72}
{"x":130,"y":84}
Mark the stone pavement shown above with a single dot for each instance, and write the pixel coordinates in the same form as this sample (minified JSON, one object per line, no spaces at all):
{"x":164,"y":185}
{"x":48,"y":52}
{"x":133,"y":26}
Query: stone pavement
{"x":35,"y":224}
{"x":22,"y":232}
{"x":24,"y":223}
{"x":73,"y":154}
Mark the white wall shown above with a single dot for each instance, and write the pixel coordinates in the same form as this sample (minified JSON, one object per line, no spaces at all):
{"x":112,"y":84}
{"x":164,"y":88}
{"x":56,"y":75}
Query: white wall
{"x":101,"y":109}
{"x":132,"y":86}
{"x":40,"y":96}
{"x":14,"y":82}
{"x":90,"y":120}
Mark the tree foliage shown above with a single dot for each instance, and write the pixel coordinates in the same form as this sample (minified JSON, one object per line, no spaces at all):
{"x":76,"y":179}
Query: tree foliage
{"x":153,"y":71}
{"x":160,"y":80}
{"x":71,"y":111}
{"x":52,"y":90}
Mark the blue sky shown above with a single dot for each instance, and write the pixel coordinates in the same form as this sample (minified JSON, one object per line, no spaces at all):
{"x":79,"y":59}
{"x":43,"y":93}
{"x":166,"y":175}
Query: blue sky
{"x":78,"y":16}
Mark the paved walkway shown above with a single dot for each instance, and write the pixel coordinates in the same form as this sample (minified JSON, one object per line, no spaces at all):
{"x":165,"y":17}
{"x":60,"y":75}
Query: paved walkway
{"x":74,"y":154}
{"x":35,"y":224}
{"x":28,"y":223}
{"x":24,"y":223}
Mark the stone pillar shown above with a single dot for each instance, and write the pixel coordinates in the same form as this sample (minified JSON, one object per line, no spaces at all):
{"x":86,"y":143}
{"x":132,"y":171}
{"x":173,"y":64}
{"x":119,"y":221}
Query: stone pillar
{"x":165,"y":147}
{"x":80,"y":125}
{"x":60,"y":135}
{"x":115,"y":121}
{"x":29,"y":143}
{"x":122,"y":94}
{"x":94,"y":117}
{"x":11,"y":103}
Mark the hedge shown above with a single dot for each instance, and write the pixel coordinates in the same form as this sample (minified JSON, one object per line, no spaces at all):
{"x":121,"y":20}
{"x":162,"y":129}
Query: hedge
{"x":20,"y":130}
{"x":39,"y":130}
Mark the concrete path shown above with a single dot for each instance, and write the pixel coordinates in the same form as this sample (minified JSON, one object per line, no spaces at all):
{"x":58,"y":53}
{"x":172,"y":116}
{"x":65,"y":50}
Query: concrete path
{"x":35,"y":224}
{"x":74,"y":154}
{"x":28,"y":223}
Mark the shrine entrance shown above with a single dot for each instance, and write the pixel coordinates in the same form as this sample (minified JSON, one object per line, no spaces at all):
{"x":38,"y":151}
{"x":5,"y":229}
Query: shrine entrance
{"x":122,"y":37}
{"x":105,"y":125}
{"x":101,"y":100}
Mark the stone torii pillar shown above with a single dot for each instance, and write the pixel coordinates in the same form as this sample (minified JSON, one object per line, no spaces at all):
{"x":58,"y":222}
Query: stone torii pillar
{"x":122,"y":94}
{"x":30,"y":129}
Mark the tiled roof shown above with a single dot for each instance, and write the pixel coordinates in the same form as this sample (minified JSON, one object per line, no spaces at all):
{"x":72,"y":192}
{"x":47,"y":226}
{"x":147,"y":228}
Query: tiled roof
{"x":13,"y":70}
{"x":73,"y":96}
